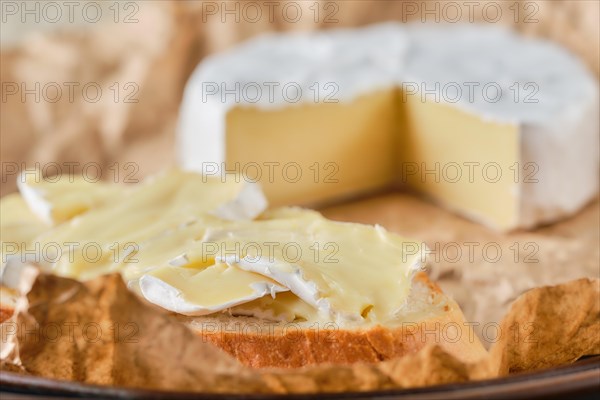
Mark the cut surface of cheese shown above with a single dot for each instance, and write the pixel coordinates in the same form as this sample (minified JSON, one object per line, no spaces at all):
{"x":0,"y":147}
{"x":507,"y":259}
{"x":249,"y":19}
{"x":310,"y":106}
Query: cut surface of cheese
{"x":321,"y":170}
{"x":498,"y":127}
{"x":461,"y":161}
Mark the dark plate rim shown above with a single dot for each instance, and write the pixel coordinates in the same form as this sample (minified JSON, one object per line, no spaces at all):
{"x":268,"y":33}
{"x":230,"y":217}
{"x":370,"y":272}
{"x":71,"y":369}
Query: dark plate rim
{"x":582,"y":376}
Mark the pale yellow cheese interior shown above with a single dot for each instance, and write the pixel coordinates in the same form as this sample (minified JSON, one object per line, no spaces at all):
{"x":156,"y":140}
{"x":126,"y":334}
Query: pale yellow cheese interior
{"x":18,"y":224}
{"x":210,"y":286}
{"x":462,"y":161}
{"x":355,"y":270}
{"x":369,"y":140}
{"x":60,"y":198}
{"x":166,"y":229}
{"x":339,"y":148}
{"x":149,"y":214}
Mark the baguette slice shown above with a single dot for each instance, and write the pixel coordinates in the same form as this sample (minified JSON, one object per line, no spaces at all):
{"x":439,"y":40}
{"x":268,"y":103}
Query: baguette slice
{"x":429,"y":317}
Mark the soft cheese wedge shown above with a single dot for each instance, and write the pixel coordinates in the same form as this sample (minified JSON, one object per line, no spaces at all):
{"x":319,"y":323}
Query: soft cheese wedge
{"x":326,"y":166}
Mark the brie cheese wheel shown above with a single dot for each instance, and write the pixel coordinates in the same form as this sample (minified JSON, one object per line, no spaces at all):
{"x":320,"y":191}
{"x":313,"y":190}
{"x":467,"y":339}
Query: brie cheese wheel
{"x":501,"y":128}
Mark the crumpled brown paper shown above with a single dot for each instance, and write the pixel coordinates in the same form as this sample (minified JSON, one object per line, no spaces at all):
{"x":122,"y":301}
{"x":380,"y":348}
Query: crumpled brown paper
{"x":98,"y":332}
{"x":116,"y":339}
{"x":550,"y":326}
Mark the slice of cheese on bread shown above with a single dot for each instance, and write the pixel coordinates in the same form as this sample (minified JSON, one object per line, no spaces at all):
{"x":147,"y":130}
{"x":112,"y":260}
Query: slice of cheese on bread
{"x":205,"y":248}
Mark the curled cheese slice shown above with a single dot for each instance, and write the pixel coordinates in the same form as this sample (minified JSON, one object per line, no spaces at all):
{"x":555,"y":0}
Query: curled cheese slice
{"x":348,"y":272}
{"x":191,"y":291}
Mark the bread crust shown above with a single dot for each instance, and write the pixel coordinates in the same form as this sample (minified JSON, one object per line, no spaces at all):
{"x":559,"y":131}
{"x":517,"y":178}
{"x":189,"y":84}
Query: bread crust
{"x":293,"y":347}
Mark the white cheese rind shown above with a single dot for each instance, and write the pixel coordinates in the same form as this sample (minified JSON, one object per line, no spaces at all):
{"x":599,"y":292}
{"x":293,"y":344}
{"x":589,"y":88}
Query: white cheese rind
{"x":170,"y":298}
{"x":12,"y":269}
{"x":249,"y":203}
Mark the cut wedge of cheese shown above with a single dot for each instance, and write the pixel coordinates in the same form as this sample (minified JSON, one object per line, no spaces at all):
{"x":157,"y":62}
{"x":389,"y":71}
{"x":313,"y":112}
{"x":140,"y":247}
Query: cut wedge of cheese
{"x":462,"y":161}
{"x":500,"y":128}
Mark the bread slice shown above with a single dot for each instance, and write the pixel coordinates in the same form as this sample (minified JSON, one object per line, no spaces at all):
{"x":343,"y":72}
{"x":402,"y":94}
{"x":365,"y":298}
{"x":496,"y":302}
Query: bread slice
{"x":429,"y":317}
